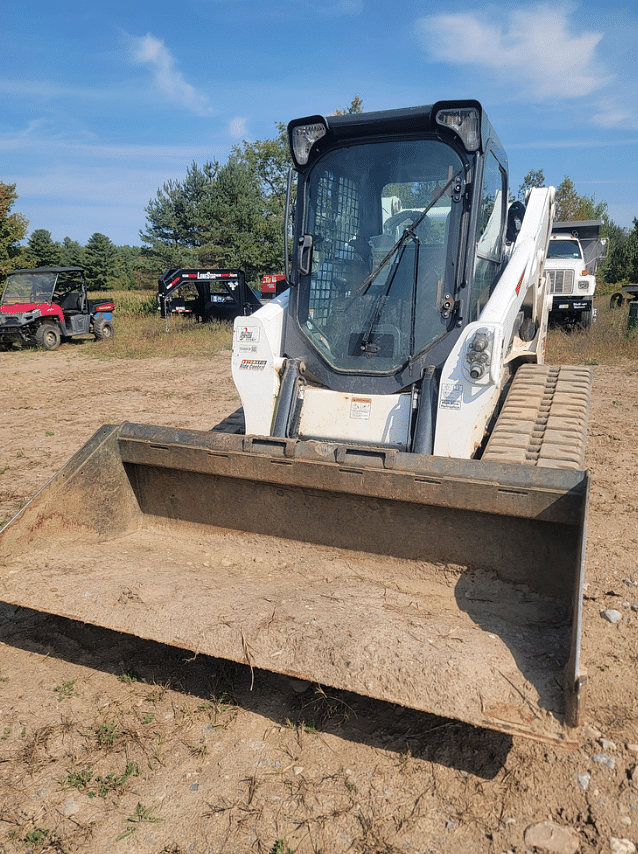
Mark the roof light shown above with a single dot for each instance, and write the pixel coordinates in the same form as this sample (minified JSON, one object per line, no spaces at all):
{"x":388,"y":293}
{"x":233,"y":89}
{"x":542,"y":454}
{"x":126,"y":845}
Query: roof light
{"x":465,"y":122}
{"x":303,"y":138}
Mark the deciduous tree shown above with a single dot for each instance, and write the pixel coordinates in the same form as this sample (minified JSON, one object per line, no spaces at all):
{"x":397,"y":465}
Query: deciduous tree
{"x":13,"y":228}
{"x":534,"y":178}
{"x":570,"y":205}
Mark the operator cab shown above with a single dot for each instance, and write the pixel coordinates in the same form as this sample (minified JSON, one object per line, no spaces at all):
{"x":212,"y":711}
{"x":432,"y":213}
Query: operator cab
{"x":384,"y":220}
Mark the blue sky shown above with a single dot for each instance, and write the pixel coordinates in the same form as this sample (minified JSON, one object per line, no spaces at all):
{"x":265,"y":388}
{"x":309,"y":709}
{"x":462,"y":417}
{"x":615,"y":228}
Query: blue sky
{"x":104,"y":102}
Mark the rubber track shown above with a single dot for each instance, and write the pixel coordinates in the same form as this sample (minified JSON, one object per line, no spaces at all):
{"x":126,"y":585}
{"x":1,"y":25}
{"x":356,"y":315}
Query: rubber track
{"x":233,"y":423}
{"x":543,"y":421}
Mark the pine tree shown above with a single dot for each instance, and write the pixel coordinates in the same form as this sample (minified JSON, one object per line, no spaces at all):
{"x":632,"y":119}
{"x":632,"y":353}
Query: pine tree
{"x":100,"y":256}
{"x":43,"y":251}
{"x":71,"y":253}
{"x":173,"y":234}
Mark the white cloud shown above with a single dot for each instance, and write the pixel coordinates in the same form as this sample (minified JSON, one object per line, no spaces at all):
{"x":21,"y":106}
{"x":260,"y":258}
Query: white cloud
{"x":611,"y":116}
{"x":532,"y":49}
{"x":153,"y":53}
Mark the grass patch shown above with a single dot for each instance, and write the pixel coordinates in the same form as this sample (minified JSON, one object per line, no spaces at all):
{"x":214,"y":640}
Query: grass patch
{"x":99,"y":785}
{"x":152,"y":337}
{"x":606,"y":342}
{"x":36,"y":837}
{"x":108,"y":735}
{"x":140,"y":332}
{"x":133,"y":821}
{"x":66,"y":690}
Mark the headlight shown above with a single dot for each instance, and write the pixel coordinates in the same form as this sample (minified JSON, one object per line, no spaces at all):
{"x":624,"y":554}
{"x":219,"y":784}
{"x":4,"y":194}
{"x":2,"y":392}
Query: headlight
{"x":303,"y":137}
{"x":465,"y":122}
{"x":583,"y":285}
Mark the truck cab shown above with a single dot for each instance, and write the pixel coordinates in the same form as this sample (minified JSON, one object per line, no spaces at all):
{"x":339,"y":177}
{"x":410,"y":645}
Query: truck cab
{"x":573,"y":255}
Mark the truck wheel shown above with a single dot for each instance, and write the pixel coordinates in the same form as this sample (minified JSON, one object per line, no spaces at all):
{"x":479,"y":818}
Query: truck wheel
{"x":585,"y":319}
{"x":102,"y":329}
{"x":48,"y":336}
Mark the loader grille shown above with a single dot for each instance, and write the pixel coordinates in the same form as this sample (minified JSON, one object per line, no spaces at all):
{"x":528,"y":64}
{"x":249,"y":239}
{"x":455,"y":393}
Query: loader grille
{"x":561,"y":281}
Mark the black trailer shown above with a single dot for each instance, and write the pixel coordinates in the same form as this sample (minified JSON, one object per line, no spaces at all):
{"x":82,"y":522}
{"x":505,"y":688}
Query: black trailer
{"x":206,"y":294}
{"x":628,"y":292}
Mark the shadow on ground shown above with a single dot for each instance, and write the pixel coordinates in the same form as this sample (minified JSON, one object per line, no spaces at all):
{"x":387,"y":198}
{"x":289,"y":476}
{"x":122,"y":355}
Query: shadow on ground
{"x":285,"y":701}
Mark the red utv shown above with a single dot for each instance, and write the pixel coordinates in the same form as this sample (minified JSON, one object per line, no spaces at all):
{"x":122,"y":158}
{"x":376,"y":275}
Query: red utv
{"x":48,"y":305}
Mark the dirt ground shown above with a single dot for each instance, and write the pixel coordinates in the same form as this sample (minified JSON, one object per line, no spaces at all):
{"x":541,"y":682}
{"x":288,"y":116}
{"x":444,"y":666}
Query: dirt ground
{"x":110,"y":743}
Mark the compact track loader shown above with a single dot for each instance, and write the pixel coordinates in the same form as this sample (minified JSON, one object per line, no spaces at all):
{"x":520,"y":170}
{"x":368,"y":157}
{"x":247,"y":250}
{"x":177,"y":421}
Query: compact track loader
{"x":399,"y":508}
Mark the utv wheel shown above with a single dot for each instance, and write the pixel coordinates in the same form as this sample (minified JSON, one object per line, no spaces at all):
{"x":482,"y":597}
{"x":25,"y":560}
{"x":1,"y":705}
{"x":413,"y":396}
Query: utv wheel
{"x":103,"y":329}
{"x":48,"y":336}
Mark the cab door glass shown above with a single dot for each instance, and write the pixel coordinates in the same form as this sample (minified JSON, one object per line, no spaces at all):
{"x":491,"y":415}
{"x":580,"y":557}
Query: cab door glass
{"x":489,"y":250}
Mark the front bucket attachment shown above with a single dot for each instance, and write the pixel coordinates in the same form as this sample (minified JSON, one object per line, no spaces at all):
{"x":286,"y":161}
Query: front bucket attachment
{"x":449,"y":586}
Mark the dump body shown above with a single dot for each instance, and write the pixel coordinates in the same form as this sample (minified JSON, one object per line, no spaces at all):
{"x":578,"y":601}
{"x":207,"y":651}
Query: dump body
{"x":448,"y":586}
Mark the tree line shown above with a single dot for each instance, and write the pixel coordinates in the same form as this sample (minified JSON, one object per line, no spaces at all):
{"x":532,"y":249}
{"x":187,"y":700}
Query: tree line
{"x":107,"y":266}
{"x":232,"y":215}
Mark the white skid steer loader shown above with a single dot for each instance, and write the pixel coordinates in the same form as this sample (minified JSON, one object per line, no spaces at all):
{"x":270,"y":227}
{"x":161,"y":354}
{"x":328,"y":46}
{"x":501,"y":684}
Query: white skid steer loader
{"x":399,"y":508}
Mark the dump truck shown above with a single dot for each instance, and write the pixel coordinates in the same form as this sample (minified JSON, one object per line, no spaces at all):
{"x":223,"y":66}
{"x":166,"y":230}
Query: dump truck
{"x":575,"y":251}
{"x":398,"y":508}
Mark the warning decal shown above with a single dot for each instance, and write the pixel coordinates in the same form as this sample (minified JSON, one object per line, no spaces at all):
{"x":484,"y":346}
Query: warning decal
{"x":360,"y":407}
{"x":451,"y":396}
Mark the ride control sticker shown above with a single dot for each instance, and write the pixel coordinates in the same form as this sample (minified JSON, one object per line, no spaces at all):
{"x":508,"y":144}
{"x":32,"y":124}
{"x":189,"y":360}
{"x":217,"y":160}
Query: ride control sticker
{"x":451,"y":395}
{"x":252,"y":364}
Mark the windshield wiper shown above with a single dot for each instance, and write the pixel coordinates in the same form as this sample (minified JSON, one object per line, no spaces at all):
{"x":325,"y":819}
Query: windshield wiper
{"x":408,"y":233}
{"x":366,"y":340}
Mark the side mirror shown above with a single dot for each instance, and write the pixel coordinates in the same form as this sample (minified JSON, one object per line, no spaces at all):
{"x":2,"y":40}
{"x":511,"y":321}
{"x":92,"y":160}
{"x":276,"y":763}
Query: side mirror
{"x":515,"y":216}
